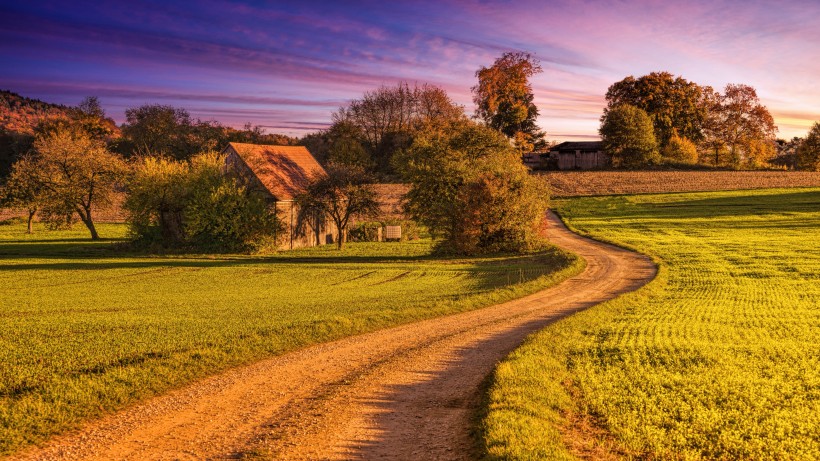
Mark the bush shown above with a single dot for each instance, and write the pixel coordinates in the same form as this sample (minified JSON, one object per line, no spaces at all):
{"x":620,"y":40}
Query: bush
{"x":469,"y":187}
{"x":195,"y":204}
{"x":680,"y":150}
{"x":365,"y":232}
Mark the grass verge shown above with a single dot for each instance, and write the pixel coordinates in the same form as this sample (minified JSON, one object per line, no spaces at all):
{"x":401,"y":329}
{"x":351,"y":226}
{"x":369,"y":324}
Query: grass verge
{"x":716,"y":358}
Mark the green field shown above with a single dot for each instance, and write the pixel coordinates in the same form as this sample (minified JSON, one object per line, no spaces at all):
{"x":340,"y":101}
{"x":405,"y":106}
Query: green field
{"x":88,"y":328}
{"x":718,"y":358}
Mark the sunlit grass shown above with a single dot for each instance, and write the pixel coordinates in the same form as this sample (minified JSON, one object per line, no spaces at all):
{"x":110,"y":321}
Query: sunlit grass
{"x":88,"y":328}
{"x":718,"y":358}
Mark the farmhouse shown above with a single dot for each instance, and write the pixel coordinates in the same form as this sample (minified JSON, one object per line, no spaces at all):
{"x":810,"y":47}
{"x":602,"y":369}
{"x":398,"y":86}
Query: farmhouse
{"x":280,"y":173}
{"x":578,"y":156}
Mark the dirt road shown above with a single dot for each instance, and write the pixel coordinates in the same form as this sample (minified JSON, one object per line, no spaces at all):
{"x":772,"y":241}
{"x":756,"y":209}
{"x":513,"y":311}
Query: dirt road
{"x":409,"y":392}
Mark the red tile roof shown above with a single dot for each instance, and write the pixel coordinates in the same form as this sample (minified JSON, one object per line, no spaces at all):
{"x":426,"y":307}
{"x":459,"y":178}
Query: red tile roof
{"x":283,"y":170}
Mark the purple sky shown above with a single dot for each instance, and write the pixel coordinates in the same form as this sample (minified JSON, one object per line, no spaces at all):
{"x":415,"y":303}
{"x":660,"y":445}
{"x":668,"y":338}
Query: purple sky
{"x":288,"y":65}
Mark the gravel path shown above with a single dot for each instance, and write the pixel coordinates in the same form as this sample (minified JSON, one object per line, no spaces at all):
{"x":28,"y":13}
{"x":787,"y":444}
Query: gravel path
{"x":409,"y":392}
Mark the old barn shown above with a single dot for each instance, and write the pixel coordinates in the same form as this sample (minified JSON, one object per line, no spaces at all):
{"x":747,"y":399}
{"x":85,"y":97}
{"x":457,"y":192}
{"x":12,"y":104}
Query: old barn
{"x":281,"y":173}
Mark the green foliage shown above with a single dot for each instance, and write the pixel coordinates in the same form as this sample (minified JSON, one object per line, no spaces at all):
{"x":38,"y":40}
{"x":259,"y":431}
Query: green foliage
{"x":469,"y":186}
{"x":504,"y":99}
{"x":717,"y":358}
{"x":195,"y":204}
{"x":680,"y":150}
{"x":628,"y":137}
{"x":808,"y":152}
{"x":675,"y":105}
{"x":88,"y":330}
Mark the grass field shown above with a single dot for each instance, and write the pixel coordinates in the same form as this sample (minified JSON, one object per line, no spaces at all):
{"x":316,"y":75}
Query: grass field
{"x":718,"y":358}
{"x":88,"y":329}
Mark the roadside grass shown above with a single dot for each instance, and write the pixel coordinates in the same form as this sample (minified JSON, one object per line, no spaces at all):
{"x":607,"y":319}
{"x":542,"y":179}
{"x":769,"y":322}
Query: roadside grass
{"x":717,"y":358}
{"x":88,"y":328}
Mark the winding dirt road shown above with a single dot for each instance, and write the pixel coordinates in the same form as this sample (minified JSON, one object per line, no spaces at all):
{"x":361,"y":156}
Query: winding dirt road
{"x":409,"y":392}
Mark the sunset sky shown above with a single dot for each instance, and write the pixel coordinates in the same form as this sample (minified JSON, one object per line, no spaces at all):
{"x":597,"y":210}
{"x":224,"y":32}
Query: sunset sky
{"x":288,"y":65}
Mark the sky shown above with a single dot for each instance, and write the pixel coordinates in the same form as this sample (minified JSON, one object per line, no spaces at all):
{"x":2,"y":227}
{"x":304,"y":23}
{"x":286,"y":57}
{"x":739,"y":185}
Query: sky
{"x":288,"y":65}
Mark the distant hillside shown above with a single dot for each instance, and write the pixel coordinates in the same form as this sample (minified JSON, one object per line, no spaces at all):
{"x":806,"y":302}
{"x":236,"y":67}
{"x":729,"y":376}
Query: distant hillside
{"x":19,"y":114}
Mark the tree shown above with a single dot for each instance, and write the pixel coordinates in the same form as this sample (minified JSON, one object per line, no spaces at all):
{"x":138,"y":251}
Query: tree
{"x":345,"y":192}
{"x":504,"y":99}
{"x":166,"y":131}
{"x":468,"y":186}
{"x":808,"y":153}
{"x":746,"y":126}
{"x":23,"y":189}
{"x":629,"y":137}
{"x":75,"y":173}
{"x":675,"y":105}
{"x":680,"y":150}
{"x":384,"y":121}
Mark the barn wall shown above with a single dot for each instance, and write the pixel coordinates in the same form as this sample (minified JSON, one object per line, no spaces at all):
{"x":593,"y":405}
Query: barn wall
{"x":315,"y":231}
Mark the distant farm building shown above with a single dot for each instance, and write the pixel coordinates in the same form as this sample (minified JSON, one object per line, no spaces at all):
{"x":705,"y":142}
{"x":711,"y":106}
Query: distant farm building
{"x":281,"y":173}
{"x":585,"y":155}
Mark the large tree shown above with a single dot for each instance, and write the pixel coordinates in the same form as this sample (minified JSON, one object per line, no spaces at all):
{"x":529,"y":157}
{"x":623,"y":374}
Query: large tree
{"x":628,"y":136}
{"x":504,"y":99}
{"x":469,"y":187}
{"x":75,"y":174}
{"x":808,"y":152}
{"x":746,"y":126}
{"x":344,"y":193}
{"x":675,"y":105}
{"x":385,"y":121}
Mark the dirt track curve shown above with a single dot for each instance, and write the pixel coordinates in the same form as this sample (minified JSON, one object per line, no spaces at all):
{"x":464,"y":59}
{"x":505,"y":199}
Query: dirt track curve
{"x":408,"y":392}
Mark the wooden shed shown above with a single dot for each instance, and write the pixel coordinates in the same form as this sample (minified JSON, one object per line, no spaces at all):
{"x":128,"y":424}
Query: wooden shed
{"x":583,"y":155}
{"x":281,"y":173}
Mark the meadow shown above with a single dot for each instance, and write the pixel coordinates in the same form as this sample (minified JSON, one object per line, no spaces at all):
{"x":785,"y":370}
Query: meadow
{"x":717,"y":358}
{"x":88,"y":328}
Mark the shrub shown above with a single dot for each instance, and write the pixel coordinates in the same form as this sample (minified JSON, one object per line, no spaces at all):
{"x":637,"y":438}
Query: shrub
{"x":680,"y":150}
{"x":195,"y":204}
{"x":469,"y":187}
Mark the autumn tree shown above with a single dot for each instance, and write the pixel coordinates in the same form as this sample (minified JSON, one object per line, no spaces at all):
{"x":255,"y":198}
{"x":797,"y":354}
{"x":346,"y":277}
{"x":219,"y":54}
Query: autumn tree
{"x":24,"y":189}
{"x":75,"y":173}
{"x":344,"y":193}
{"x":808,"y":152}
{"x":674,"y":104}
{"x":385,"y":121}
{"x":504,"y":99}
{"x":628,"y":136}
{"x":468,"y":185}
{"x":745,"y":126}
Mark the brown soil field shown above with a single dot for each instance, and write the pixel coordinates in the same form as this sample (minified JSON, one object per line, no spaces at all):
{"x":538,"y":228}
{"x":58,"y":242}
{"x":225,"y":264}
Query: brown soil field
{"x":578,"y":183}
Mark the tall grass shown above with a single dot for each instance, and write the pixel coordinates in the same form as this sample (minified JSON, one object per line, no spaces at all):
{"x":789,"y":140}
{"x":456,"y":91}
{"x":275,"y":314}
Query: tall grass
{"x":717,"y":358}
{"x":87,"y":329}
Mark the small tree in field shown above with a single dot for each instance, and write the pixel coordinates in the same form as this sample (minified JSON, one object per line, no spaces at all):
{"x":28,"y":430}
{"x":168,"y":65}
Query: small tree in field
{"x":629,"y":136}
{"x":345,"y":192}
{"x":808,"y":153}
{"x":73,"y":174}
{"x":23,"y":189}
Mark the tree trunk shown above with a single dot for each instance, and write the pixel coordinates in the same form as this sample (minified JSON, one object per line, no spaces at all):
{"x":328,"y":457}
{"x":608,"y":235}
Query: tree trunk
{"x":85,"y":217}
{"x":30,"y":226}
